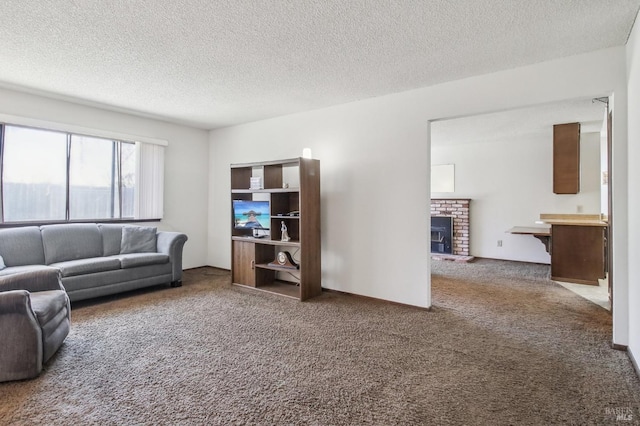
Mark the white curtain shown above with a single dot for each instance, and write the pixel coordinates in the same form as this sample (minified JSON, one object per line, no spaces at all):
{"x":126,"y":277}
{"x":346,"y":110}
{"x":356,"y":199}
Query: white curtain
{"x":149,"y":198}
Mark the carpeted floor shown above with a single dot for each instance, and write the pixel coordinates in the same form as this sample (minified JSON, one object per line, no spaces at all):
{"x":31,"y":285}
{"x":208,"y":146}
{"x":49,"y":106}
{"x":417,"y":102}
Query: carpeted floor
{"x":502,"y":345}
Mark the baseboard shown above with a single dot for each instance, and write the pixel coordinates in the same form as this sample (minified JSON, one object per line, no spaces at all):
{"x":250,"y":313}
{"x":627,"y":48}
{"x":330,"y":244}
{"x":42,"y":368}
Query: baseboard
{"x":332,"y":291}
{"x":206,"y":267}
{"x":634,"y":362}
{"x":511,"y":260}
{"x":629,"y":352}
{"x":344,"y":293}
{"x":619,"y":347}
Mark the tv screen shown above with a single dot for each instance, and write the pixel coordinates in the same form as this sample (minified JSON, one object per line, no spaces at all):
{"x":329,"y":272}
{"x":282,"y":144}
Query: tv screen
{"x":251,"y":214}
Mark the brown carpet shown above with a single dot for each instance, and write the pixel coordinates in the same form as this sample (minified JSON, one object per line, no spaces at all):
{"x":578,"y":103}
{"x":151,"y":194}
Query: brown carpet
{"x":502,"y":345}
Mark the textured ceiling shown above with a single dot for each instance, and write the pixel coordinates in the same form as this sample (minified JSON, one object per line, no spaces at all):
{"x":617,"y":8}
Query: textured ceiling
{"x":214,"y":63}
{"x":519,"y":124}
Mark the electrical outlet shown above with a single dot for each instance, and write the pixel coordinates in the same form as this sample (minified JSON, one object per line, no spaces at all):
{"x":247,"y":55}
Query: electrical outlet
{"x":499,"y":243}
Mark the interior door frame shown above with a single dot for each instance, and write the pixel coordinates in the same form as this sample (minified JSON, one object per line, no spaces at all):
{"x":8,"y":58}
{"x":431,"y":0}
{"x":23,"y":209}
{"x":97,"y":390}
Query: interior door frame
{"x":609,"y":206}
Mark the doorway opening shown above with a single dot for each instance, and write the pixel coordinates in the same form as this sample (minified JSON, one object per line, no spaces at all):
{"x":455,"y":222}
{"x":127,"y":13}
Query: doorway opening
{"x":503,"y":164}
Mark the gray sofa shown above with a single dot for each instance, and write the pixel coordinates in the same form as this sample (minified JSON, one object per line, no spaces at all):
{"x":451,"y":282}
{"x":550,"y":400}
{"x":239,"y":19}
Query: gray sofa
{"x":95,"y":259}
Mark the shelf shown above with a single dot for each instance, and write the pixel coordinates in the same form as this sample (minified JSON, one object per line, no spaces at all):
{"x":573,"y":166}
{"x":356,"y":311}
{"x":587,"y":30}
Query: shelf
{"x":291,"y":161}
{"x":276,"y":268}
{"x":266,"y":241}
{"x":264,"y":191}
{"x":284,"y":216}
{"x":282,"y":288}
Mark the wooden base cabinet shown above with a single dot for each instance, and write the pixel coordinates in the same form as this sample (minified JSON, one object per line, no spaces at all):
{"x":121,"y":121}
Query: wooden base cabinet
{"x":245,"y":256}
{"x":292,"y":189}
{"x":578,"y":253}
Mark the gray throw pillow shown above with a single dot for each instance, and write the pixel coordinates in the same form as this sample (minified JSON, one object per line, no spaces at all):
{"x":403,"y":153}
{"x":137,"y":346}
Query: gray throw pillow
{"x":2,"y":265}
{"x":138,"y":239}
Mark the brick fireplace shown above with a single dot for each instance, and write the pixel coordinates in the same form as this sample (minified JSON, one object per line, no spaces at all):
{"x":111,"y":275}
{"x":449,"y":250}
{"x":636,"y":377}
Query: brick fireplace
{"x":458,"y":209}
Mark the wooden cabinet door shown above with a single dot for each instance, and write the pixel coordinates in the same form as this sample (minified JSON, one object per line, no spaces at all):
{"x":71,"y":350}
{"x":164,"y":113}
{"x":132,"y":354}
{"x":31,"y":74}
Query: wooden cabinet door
{"x":244,"y":257}
{"x":577,"y":253}
{"x":566,"y":158}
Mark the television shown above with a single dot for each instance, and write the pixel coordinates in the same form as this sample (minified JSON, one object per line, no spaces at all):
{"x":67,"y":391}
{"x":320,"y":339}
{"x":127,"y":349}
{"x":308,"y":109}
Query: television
{"x":249,"y":214}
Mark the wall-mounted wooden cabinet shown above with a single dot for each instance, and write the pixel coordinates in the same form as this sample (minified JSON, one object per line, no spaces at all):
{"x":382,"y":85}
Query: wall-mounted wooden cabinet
{"x":292,"y":190}
{"x":566,"y":158}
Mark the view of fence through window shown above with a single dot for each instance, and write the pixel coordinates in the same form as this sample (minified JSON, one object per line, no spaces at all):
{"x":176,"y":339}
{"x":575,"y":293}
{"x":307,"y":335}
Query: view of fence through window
{"x":45,"y":171}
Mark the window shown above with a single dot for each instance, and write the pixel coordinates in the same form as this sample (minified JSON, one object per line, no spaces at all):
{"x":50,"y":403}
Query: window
{"x":34,"y":174}
{"x":52,"y":176}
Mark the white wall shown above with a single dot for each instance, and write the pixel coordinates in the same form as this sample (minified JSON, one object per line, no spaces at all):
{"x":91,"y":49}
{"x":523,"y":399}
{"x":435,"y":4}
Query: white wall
{"x":375,"y":169}
{"x":372,"y":192}
{"x":510,"y":182}
{"x":633,"y":73}
{"x":186,"y":165}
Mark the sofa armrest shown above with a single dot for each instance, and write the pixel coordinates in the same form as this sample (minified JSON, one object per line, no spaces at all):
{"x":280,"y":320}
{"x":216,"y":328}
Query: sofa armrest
{"x":172,"y":243}
{"x":22,"y":343}
{"x":15,"y":302}
{"x":32,"y":281}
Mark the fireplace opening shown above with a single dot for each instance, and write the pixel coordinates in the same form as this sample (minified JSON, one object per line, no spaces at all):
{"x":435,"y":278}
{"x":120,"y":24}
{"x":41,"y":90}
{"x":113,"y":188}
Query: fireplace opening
{"x":442,"y":234}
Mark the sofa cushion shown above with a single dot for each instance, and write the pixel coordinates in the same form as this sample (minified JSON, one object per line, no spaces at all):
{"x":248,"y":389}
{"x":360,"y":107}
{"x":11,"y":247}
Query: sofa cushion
{"x":71,"y":241}
{"x":2,"y":265}
{"x":111,"y":238}
{"x":21,"y":246}
{"x":87,"y":266}
{"x":133,"y":260}
{"x":118,"y":280}
{"x":9,"y":270}
{"x":138,"y":239}
{"x":47,"y":304}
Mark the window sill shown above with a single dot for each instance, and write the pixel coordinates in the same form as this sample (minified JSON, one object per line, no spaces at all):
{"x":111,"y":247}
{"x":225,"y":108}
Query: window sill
{"x":58,"y":222}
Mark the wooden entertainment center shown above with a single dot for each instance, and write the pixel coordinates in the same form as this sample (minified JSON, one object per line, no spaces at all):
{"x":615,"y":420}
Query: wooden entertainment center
{"x":267,"y":261}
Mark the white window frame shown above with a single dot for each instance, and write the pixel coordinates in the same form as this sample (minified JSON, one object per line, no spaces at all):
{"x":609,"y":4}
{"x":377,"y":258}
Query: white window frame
{"x":148,"y":205}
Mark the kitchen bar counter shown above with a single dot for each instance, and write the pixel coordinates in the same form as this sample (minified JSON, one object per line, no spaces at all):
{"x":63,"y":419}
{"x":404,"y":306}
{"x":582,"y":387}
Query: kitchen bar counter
{"x":573,"y":219}
{"x":543,"y":233}
{"x":531,"y":230}
{"x":577,"y":244}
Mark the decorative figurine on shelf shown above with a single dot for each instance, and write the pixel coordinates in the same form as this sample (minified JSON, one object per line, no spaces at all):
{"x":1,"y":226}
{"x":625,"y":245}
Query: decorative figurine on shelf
{"x":285,"y":234}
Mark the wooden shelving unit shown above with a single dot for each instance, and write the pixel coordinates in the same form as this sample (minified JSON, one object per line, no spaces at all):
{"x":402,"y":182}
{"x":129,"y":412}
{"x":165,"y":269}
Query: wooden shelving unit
{"x":291,"y":185}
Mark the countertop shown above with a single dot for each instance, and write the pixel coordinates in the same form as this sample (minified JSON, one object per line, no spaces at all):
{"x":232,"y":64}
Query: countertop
{"x":531,"y":230}
{"x":573,"y":219}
